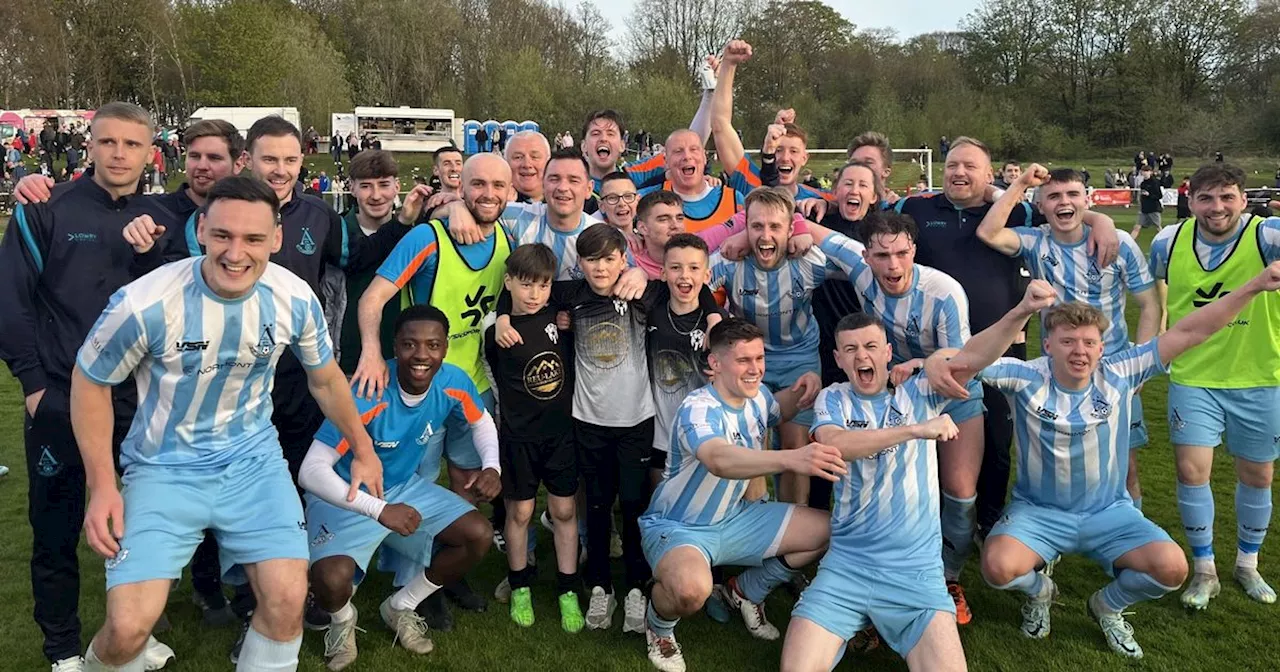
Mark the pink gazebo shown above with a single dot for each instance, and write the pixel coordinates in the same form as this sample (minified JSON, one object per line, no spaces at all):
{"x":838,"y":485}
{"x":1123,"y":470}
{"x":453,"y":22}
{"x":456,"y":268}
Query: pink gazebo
{"x":12,"y":119}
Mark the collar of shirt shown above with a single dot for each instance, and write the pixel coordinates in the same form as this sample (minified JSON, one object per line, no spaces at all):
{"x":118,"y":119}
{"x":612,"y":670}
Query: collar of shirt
{"x":95,"y":191}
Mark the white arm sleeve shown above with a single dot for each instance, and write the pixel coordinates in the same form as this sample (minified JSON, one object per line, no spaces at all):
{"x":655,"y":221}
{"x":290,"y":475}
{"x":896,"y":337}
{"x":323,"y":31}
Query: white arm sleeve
{"x":485,"y":436}
{"x":701,"y":123}
{"x":316,"y":476}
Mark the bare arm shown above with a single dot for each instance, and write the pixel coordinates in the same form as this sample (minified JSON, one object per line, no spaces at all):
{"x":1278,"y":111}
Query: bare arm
{"x":857,"y":444}
{"x":728,"y":145}
{"x":371,"y":374}
{"x":92,"y":422}
{"x":1162,"y":293}
{"x":993,"y":231}
{"x":1149,"y":318}
{"x":1205,"y":321}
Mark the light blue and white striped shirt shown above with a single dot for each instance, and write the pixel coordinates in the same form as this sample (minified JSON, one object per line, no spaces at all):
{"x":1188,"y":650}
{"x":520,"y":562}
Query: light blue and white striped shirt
{"x":528,"y":224}
{"x":689,"y":492}
{"x":778,"y":300}
{"x":1213,"y":254}
{"x":886,"y":507}
{"x":1077,"y":277}
{"x":204,"y":365}
{"x":933,"y":314}
{"x":1073,"y":445}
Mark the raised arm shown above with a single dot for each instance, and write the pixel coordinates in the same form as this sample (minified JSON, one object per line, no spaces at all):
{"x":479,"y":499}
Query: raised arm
{"x":993,"y":230}
{"x":857,"y":444}
{"x":947,"y":369}
{"x":1204,"y":322}
{"x":701,"y":122}
{"x":728,"y":145}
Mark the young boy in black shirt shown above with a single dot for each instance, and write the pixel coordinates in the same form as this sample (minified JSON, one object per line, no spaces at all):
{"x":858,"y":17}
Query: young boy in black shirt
{"x":612,"y":411}
{"x":533,"y":381}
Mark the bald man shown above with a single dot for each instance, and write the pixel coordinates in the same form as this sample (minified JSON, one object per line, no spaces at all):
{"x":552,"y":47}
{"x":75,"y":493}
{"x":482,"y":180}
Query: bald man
{"x":463,"y":280}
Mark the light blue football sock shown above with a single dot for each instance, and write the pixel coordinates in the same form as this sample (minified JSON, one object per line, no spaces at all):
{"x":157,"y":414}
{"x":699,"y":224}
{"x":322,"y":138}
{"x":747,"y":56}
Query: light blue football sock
{"x":757,"y":582}
{"x":1253,"y":515}
{"x":1195,"y":506}
{"x":1131,"y":587}
{"x":660,"y":626}
{"x":1033,"y":583}
{"x":958,"y":523}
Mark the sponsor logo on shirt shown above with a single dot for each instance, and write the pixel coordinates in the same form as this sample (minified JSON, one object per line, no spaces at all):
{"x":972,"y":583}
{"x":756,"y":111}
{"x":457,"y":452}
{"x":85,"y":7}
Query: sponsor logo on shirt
{"x":742,"y":291}
{"x":1205,"y":297}
{"x":856,"y":424}
{"x":191,"y":346}
{"x":307,"y":245}
{"x":935,"y":224}
{"x":478,"y":305}
{"x":386,"y":444}
{"x":1045,"y":413}
{"x":544,"y":374}
{"x":735,"y":437}
{"x":1049,"y":259}
{"x":82,"y":237}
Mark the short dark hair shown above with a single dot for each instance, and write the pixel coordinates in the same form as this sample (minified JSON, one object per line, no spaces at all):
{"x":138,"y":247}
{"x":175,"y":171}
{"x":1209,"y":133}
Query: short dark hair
{"x":887,"y":223}
{"x":856,"y":321}
{"x":614,"y":177}
{"x":733,"y":330}
{"x":122,"y":111}
{"x":793,"y":131}
{"x":215,"y":128}
{"x":273,"y":126}
{"x":372,"y":164}
{"x":1006,"y":164}
{"x":600,"y":240}
{"x":568,"y":154}
{"x":533,"y":261}
{"x":244,"y":188}
{"x":686,"y":240}
{"x":1059,"y":175}
{"x":873,"y":139}
{"x":661,"y":196}
{"x":1212,"y":175}
{"x":447,"y":149}
{"x":607,"y":115}
{"x":422,"y":312}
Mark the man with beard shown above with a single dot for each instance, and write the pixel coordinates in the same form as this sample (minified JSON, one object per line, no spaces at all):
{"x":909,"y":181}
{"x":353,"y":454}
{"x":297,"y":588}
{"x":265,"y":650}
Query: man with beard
{"x":1228,"y":386}
{"x":462,"y":280}
{"x":60,"y":262}
{"x":447,"y":168}
{"x":948,"y":242}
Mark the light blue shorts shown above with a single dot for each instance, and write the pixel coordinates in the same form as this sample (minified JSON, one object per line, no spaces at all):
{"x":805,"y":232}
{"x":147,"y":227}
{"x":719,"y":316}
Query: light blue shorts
{"x":781,"y":373}
{"x":251,"y":505}
{"x":1250,"y":418}
{"x":844,"y":598}
{"x":964,"y":409}
{"x":336,"y":531}
{"x":746,"y":537}
{"x":455,"y":443}
{"x":1102,"y":535}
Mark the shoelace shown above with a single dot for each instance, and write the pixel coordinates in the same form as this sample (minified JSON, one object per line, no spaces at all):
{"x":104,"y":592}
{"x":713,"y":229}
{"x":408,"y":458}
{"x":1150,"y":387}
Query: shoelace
{"x":416,"y":624}
{"x":331,"y":648}
{"x":667,"y":646}
{"x":598,"y":607}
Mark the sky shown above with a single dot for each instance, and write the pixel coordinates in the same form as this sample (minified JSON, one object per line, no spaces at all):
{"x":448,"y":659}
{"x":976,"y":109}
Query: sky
{"x":908,"y":17}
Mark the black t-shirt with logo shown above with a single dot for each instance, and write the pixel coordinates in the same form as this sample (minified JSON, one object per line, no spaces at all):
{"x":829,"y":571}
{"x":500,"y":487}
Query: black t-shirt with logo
{"x":677,"y":346}
{"x":534,"y":378}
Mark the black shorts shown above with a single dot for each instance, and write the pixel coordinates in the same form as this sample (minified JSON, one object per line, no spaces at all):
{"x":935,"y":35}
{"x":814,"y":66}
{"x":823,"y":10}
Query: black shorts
{"x":658,"y":459}
{"x":527,"y":463}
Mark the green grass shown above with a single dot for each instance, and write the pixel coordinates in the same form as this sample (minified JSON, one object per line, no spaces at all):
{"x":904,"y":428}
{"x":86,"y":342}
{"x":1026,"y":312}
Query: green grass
{"x":1235,"y":634}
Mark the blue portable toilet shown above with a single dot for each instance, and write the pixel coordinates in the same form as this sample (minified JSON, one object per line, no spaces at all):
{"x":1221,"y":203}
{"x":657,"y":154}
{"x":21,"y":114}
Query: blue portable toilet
{"x":491,"y":129}
{"x":510,"y":128}
{"x":530,"y":126}
{"x":469,"y":128}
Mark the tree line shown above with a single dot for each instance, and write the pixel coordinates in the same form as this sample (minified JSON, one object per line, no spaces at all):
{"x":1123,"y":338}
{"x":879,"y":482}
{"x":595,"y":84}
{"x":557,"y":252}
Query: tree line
{"x":1056,"y":78}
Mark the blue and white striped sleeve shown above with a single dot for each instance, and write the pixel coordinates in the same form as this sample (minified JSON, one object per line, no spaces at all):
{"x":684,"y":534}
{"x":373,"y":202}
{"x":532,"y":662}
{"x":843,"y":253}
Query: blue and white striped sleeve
{"x":1009,"y":374}
{"x":951,"y":319}
{"x":1269,"y":239}
{"x":772,"y":408}
{"x":1159,"y":258}
{"x":311,"y":334}
{"x":1028,"y":244}
{"x":845,"y":253}
{"x":923,"y":394}
{"x":116,"y":344}
{"x":828,"y":410}
{"x":721,"y":271}
{"x":1137,"y":364}
{"x":1137,"y":275}
{"x":698,"y":423}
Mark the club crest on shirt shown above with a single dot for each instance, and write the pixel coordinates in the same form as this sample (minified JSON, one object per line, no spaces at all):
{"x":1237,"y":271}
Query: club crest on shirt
{"x":894,"y":417}
{"x":48,"y":464}
{"x":1093,"y":274}
{"x":697,"y":339}
{"x":620,"y":306}
{"x":913,"y":326}
{"x":553,"y":334}
{"x":425,"y":436}
{"x":576,"y":273}
{"x":266,"y":342}
{"x":1101,"y":409}
{"x":544,"y":375}
{"x":307,"y":245}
